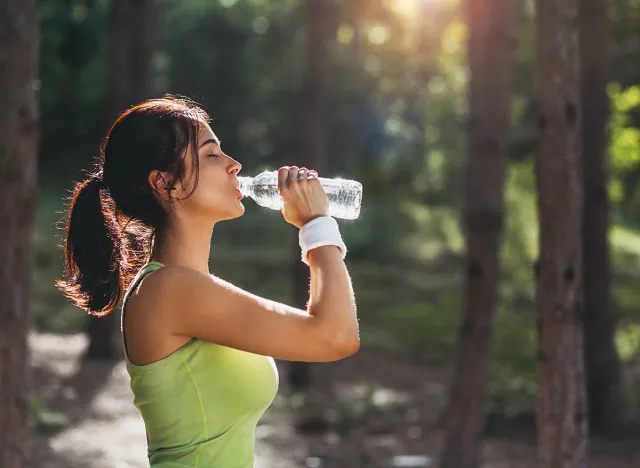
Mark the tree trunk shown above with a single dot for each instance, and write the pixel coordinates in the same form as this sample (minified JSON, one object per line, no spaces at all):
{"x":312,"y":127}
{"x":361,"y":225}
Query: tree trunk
{"x":128,"y":61}
{"x":18,"y":194}
{"x":561,"y":420}
{"x":602,"y":364}
{"x":491,"y":45}
{"x":129,"y":54}
{"x":313,"y":152}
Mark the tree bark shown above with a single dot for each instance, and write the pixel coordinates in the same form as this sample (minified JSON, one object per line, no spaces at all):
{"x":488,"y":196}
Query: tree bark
{"x":561,"y":419}
{"x":128,"y":67}
{"x":313,"y":153}
{"x":18,"y":194}
{"x":129,"y":54}
{"x":602,"y":363}
{"x":491,"y":44}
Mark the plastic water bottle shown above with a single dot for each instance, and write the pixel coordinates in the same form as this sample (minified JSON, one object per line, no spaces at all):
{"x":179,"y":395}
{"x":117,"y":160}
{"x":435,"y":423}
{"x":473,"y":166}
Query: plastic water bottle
{"x":345,"y":196}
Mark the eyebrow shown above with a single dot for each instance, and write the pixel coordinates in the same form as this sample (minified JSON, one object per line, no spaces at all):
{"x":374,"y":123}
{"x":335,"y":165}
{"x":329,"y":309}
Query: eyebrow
{"x":210,"y":140}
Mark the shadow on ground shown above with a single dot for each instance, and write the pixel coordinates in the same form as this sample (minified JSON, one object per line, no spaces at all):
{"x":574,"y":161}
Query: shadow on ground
{"x":362,"y":412}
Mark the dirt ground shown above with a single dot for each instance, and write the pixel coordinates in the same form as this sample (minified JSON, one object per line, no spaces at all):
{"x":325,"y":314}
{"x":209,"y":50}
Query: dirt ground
{"x":367,"y":411}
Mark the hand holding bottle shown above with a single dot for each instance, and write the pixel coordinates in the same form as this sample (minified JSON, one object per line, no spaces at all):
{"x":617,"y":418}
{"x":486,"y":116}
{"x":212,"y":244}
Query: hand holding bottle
{"x":303,"y":197}
{"x":345,"y":196}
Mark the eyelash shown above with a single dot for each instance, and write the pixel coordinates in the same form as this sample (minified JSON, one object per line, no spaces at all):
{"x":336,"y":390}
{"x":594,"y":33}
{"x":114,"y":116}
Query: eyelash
{"x":213,"y":155}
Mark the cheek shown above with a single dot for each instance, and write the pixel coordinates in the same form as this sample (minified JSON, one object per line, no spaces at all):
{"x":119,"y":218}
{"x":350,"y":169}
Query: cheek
{"x":210,"y":194}
{"x":213,"y":193}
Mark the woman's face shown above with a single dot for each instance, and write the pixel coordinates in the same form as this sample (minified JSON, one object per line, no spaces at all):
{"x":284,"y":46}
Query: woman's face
{"x":216,"y":197}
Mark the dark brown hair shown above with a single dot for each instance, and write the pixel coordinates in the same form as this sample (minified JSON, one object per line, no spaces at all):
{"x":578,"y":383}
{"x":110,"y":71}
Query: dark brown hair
{"x":114,"y":215}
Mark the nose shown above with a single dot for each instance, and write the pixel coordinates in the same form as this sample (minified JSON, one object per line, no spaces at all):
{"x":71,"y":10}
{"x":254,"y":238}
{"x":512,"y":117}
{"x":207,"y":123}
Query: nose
{"x":234,"y":166}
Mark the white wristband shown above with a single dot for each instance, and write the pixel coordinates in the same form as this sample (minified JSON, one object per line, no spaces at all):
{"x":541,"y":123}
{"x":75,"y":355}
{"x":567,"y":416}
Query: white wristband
{"x":319,"y":232}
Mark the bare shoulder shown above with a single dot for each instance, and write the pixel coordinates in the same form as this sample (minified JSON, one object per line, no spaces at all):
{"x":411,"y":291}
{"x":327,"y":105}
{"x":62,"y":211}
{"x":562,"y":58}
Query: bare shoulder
{"x":172,"y":283}
{"x":150,"y":334}
{"x":179,"y":289}
{"x":187,"y":303}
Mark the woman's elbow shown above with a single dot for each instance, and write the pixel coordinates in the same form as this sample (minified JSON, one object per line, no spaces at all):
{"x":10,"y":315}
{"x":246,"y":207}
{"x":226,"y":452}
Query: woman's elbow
{"x":346,"y":347}
{"x":339,"y":341}
{"x":352,"y":347}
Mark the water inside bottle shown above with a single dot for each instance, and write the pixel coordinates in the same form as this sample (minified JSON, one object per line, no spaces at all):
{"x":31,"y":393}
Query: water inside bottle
{"x":344,"y":196}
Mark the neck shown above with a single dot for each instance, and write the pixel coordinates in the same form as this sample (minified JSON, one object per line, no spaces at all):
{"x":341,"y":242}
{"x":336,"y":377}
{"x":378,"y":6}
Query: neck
{"x":184,"y":244}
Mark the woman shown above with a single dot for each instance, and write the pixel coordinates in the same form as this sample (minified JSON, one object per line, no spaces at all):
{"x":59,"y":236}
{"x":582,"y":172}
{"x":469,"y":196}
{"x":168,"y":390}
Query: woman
{"x":198,"y":349}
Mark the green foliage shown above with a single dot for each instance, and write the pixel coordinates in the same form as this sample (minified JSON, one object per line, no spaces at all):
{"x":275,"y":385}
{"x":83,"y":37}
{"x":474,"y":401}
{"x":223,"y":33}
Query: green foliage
{"x":624,"y":147}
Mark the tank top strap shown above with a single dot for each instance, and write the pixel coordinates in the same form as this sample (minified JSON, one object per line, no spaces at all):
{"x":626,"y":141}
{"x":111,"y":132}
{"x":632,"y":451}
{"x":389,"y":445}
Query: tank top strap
{"x":144,"y":271}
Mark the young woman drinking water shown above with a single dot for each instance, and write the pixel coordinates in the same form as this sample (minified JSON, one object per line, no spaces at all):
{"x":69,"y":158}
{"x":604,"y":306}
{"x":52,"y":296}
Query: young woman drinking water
{"x":198,"y":349}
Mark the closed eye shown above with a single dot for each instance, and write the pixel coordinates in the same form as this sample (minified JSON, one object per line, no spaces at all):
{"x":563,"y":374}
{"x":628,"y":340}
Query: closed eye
{"x":213,"y":155}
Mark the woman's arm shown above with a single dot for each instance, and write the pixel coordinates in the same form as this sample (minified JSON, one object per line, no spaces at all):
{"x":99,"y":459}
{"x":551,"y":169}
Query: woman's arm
{"x":197,"y":305}
{"x":332,"y":299}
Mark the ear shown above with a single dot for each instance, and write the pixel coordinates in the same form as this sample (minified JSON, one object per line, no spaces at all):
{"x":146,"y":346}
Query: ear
{"x":159,"y":182}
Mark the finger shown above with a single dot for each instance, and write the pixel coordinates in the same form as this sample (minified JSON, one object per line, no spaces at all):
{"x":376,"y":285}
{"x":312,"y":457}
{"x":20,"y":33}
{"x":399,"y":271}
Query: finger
{"x":313,"y":173}
{"x":293,"y":175}
{"x":302,"y":174}
{"x":283,"y":174}
{"x":315,"y":182}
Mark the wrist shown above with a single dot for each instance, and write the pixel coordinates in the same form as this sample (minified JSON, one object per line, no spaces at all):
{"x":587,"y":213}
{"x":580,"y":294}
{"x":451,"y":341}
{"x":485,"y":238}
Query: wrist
{"x":309,"y":220}
{"x":323,"y":253}
{"x":319,"y":232}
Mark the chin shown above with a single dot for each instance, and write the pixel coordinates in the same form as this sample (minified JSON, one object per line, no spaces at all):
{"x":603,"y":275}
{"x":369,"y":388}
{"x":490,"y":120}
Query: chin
{"x":235,"y":213}
{"x":238,"y":214}
{"x":224,"y":211}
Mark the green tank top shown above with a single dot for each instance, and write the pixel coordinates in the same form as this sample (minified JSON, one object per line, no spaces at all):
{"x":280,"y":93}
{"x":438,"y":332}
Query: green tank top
{"x":201,"y":404}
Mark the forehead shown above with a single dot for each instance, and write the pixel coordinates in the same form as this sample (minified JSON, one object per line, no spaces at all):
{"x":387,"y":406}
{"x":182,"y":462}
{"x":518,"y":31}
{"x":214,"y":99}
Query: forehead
{"x":205,"y":133}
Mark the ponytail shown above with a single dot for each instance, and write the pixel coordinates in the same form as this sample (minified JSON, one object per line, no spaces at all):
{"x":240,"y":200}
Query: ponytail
{"x":113,"y":216}
{"x":92,"y":252}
